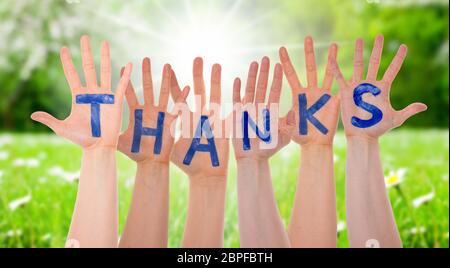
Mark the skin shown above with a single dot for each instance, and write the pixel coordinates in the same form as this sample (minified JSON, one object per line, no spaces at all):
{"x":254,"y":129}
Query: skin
{"x":207,"y":183}
{"x":260,"y":224}
{"x":313,"y":220}
{"x":95,"y":218}
{"x":369,"y":214}
{"x":147,"y":221}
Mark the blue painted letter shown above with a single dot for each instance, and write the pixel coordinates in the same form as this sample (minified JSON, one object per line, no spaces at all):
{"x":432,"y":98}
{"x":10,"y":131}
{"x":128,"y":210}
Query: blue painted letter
{"x":246,"y":121}
{"x":139,"y":130}
{"x":377,"y":114}
{"x":203,"y":125}
{"x":95,"y":100}
{"x":306,"y":114}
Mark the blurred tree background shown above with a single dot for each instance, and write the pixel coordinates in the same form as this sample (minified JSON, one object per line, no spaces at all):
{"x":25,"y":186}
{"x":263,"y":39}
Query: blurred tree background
{"x":32,"y":33}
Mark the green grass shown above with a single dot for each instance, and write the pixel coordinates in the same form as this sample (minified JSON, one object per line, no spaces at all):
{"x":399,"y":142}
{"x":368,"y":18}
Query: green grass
{"x":45,"y":219}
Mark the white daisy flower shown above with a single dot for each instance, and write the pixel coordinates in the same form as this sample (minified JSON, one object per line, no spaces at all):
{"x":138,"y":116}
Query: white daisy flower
{"x":15,"y":204}
{"x":129,"y":182}
{"x":395,"y":177}
{"x":341,"y":226}
{"x":335,"y":158}
{"x":4,"y":155}
{"x":13,"y":233}
{"x":58,"y":171}
{"x":26,"y":162}
{"x":5,"y":139}
{"x":423,"y":199}
{"x":417,"y":230}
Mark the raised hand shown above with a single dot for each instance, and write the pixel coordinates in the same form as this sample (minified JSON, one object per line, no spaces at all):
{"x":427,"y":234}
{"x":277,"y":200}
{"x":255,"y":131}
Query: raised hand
{"x":202,"y":154}
{"x":251,"y":147}
{"x":96,"y":114}
{"x":150,"y":132}
{"x":313,"y":219}
{"x":198,"y":155}
{"x":316,"y":110}
{"x":260,"y":224}
{"x":366,"y":108}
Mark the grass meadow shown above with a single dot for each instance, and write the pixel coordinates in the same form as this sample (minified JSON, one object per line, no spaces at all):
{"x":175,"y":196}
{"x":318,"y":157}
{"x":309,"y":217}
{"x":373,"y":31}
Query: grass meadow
{"x":38,"y":185}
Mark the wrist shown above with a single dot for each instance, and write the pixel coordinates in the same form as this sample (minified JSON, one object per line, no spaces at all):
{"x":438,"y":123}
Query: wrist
{"x":152,"y":176}
{"x":317,"y":148}
{"x":215,"y":181}
{"x":95,"y":156}
{"x":152,"y":165}
{"x":361,"y":139}
{"x":251,"y":162}
{"x":364,"y":141}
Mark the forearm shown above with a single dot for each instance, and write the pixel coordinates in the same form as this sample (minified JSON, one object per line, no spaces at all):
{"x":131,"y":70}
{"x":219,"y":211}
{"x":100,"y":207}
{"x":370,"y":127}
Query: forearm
{"x":369,"y":213}
{"x":313,"y":220}
{"x":260,"y":224}
{"x":147,"y":221}
{"x":95,"y":218}
{"x":205,"y":216}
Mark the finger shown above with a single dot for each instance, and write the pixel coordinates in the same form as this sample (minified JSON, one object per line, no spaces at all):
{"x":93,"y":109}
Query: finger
{"x":105,"y":67}
{"x":183,"y":95}
{"x":338,"y":74}
{"x":275,"y":90}
{"x":147,"y":82}
{"x":375,"y":58}
{"x":328,"y":79}
{"x":165,"y":88}
{"x":215,"y":84}
{"x":288,"y":69}
{"x":311,"y":69}
{"x":395,"y":65}
{"x":123,"y":83}
{"x":236,"y":91}
{"x":263,"y":79}
{"x":412,"y":109}
{"x":181,"y":98}
{"x":174,"y":86}
{"x":48,"y":120}
{"x":199,"y":84}
{"x":69,"y":70}
{"x":88,"y":63}
{"x":130,"y":94}
{"x":251,"y":83}
{"x":358,"y":61}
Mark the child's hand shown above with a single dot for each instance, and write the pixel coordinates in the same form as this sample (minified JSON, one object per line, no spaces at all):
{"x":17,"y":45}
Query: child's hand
{"x":366,"y":108}
{"x":96,"y":114}
{"x":157,"y":146}
{"x":253,"y":148}
{"x":320,"y":109}
{"x":212,"y":162}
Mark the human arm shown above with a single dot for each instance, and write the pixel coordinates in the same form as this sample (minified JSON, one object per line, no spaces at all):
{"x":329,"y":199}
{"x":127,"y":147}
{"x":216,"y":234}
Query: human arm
{"x":370,"y":218}
{"x":95,"y":128}
{"x":204,"y":158}
{"x":313,"y":218}
{"x":260,"y":224}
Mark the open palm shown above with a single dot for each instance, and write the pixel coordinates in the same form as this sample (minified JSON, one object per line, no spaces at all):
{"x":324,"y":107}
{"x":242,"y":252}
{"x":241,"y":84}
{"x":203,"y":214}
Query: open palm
{"x":201,"y":163}
{"x":328,"y":114}
{"x":77,"y":126}
{"x":255,"y":149}
{"x":149,"y":118}
{"x":390,"y":118}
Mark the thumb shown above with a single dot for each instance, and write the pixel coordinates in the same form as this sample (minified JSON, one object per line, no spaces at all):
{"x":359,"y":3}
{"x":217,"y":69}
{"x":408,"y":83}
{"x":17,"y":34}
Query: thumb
{"x":48,"y":120}
{"x":410,"y":110}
